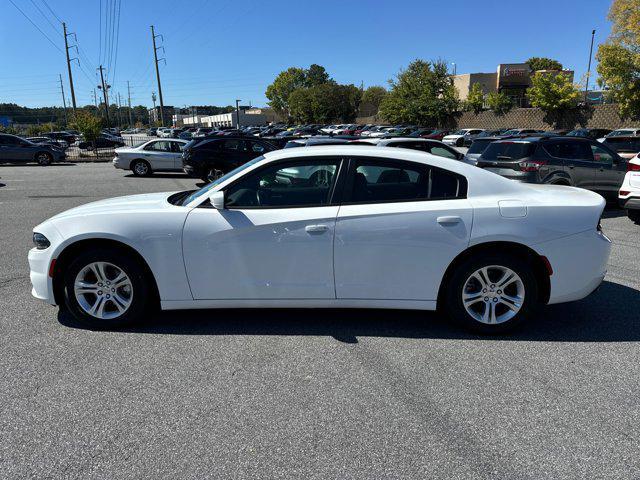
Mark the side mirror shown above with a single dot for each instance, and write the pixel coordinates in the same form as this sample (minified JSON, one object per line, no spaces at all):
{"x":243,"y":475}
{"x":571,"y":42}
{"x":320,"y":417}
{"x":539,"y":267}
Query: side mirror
{"x":217,"y":200}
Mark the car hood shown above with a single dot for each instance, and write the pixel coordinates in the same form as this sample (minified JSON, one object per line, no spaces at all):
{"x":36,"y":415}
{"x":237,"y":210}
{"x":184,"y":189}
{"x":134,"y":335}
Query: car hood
{"x":131,"y":203}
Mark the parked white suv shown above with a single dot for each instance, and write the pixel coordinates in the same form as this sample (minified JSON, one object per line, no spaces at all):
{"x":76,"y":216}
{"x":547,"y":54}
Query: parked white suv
{"x":629,"y":194}
{"x":462,"y":137}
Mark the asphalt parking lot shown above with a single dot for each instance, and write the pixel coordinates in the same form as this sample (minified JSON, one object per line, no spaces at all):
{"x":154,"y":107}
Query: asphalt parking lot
{"x":307,"y":394}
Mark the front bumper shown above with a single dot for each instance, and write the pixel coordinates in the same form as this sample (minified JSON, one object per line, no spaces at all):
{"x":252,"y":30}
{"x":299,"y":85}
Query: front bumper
{"x":42,"y":283}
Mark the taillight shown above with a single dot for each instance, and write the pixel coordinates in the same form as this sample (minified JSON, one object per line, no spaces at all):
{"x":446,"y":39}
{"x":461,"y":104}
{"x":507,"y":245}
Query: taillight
{"x":624,"y":193}
{"x":633,"y":167}
{"x":531,"y":166}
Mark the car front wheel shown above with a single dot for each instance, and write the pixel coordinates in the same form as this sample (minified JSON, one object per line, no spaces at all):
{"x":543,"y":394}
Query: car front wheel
{"x":105,"y":289}
{"x":44,"y":158}
{"x":492,"y":294}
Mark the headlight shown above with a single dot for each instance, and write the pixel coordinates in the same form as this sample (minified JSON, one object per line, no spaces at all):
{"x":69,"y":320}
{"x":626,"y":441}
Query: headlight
{"x":40,"y":241}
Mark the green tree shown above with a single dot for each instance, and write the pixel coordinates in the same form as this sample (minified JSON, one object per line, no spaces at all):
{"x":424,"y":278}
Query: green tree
{"x":290,"y":80}
{"x":543,"y":63}
{"x":87,"y":124}
{"x":553,"y":92}
{"x":371,"y":99}
{"x":475,"y":99}
{"x":316,"y":75}
{"x":619,"y":58}
{"x":422,"y":94}
{"x":500,"y":103}
{"x":325,"y":103}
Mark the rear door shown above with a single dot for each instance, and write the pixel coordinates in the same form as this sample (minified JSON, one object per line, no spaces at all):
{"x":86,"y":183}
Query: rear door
{"x":399,"y":227}
{"x":176,"y":150}
{"x":160,"y":155}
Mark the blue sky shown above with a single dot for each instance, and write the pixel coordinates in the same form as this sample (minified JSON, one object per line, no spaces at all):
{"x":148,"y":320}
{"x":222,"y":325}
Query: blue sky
{"x":220,"y":50}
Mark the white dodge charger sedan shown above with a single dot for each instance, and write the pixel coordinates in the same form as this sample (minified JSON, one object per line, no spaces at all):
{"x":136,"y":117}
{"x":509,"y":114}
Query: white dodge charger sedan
{"x":333,"y":226}
{"x":151,"y":156}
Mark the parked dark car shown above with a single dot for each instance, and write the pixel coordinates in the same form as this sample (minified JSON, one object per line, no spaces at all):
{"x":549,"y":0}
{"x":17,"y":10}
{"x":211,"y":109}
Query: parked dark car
{"x":152,"y":132}
{"x":211,"y":157}
{"x":437,"y":134}
{"x":103,"y":141}
{"x":574,"y":161}
{"x":14,"y":149}
{"x":594,"y":133}
{"x":67,"y":137}
{"x":47,"y":141}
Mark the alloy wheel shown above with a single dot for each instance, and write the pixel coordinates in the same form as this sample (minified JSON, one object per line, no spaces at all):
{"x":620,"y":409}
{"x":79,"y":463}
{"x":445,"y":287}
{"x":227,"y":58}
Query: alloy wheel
{"x":103,"y":290}
{"x":141,"y":168}
{"x":43,"y":159}
{"x":493,"y":294}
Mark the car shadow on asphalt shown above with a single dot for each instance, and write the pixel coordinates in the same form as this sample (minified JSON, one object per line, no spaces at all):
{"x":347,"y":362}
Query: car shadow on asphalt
{"x":608,"y":315}
{"x":161,"y":175}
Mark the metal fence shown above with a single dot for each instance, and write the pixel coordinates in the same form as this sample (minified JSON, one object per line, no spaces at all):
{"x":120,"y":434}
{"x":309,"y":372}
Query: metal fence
{"x":74,"y":152}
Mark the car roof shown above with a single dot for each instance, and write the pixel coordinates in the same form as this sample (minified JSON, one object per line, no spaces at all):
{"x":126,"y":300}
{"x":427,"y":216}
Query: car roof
{"x":484,"y":182}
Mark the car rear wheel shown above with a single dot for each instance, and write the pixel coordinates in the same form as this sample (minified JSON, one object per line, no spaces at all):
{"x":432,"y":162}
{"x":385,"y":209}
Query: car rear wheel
{"x":105,"y":289}
{"x":634,"y":215}
{"x":44,"y":158}
{"x":141,"y":168}
{"x":492,"y":294}
{"x":460,"y":142}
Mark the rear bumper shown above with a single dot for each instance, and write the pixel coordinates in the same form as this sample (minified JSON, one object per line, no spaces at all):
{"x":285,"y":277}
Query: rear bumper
{"x":579,"y":264}
{"x":631,"y":203}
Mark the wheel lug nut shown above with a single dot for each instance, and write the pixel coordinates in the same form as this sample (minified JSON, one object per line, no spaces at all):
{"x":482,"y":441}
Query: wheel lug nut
{"x":486,"y":299}
{"x":499,"y":292}
{"x":484,"y":290}
{"x":495,"y":299}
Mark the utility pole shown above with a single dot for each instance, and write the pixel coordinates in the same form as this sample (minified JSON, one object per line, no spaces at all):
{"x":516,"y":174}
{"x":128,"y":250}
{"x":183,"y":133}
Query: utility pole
{"x":104,"y":93}
{"x":238,"y":113}
{"x":155,"y":56}
{"x":95,"y":100}
{"x":129,"y":97}
{"x":586,"y":88}
{"x":66,"y":49}
{"x":64,"y":102}
{"x":119,"y":112}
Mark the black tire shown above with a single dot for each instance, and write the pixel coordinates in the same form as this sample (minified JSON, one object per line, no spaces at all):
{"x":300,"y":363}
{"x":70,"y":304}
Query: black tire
{"x":634,"y":215}
{"x":141,"y":168}
{"x":460,"y":142}
{"x":43,"y":158}
{"x":212,"y":175}
{"x":140,"y":297}
{"x":453,"y":294}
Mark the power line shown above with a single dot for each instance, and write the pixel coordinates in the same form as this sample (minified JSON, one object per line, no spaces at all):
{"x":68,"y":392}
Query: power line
{"x":37,"y":27}
{"x":52,"y":12}
{"x":115,"y":60}
{"x":100,"y":35}
{"x":45,"y":17}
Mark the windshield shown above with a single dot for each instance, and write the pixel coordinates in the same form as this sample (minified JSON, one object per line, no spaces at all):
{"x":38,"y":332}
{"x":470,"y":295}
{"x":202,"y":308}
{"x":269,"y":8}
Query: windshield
{"x":459,"y":132}
{"x":578,"y":133}
{"x":207,"y":188}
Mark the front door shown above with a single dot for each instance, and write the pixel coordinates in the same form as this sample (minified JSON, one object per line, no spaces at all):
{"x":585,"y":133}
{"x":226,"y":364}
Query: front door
{"x":399,"y":227}
{"x":611,"y":169}
{"x":273,"y":240}
{"x":577,"y":161}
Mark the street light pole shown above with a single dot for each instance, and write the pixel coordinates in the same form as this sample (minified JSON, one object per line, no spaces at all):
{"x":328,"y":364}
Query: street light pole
{"x":238,"y":113}
{"x":586,"y":88}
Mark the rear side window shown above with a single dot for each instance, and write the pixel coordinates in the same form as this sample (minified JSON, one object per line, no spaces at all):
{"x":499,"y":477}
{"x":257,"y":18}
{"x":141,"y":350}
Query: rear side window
{"x":508,"y":151}
{"x":210,"y":145}
{"x":388,"y":181}
{"x":575,"y":150}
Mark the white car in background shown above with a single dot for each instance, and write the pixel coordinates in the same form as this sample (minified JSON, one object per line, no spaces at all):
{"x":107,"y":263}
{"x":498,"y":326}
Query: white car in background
{"x":629,"y":194}
{"x":151,"y":156}
{"x":405,"y":230}
{"x":462,"y":137}
{"x":163,"y":132}
{"x":622,"y":132}
{"x":434,"y":147}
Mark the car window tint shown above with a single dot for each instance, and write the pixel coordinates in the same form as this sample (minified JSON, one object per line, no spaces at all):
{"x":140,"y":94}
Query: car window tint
{"x":570,"y":150}
{"x":443,"y":152}
{"x":397,"y":181}
{"x":234,"y":144}
{"x":177,"y":147}
{"x":257,"y":148}
{"x":159,"y":146}
{"x":292,"y":184}
{"x":601,"y":155}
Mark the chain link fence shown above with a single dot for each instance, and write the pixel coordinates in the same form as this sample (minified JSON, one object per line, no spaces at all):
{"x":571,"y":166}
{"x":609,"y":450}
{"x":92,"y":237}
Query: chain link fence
{"x":104,"y":150}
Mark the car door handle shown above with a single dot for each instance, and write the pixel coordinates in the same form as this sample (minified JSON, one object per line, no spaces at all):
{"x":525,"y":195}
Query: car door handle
{"x":571,"y":166}
{"x":316,"y":228}
{"x":449,"y":220}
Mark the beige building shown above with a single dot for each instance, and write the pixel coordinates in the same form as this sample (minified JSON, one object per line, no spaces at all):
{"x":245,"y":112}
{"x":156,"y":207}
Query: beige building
{"x":463,"y":83}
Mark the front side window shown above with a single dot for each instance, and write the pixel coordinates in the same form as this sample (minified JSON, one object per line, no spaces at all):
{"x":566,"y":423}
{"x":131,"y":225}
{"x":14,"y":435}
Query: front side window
{"x":257,"y":148}
{"x":177,"y":147}
{"x":387,"y":181}
{"x":601,"y":155}
{"x":302,"y":183}
{"x":235,"y":145}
